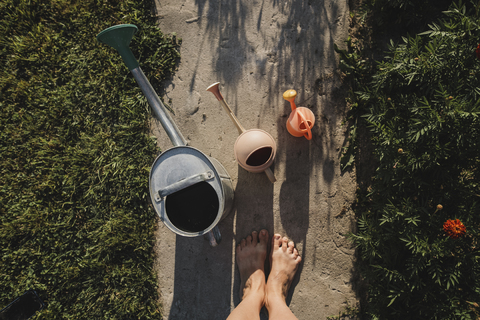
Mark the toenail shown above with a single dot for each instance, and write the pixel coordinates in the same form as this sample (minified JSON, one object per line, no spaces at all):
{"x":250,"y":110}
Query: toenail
{"x":262,"y":232}
{"x":277,"y":237}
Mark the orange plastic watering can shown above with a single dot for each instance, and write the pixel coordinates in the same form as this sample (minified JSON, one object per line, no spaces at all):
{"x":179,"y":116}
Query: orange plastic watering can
{"x":301,"y":120}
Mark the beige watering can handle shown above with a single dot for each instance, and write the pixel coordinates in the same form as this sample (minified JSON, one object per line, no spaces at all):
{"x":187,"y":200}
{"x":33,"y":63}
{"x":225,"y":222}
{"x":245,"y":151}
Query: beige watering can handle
{"x":214,"y":89}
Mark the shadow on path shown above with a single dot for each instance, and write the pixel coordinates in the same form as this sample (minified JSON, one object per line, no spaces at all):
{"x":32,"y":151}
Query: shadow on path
{"x":203,"y":276}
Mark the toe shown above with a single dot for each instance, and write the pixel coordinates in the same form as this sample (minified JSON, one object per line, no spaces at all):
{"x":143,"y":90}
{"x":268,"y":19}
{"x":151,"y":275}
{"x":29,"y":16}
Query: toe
{"x":284,"y":243}
{"x":276,"y":241}
{"x":291,"y":246}
{"x":254,"y":238}
{"x":243,"y":243}
{"x":249,"y":240}
{"x":263,"y":237}
{"x":295,"y":253}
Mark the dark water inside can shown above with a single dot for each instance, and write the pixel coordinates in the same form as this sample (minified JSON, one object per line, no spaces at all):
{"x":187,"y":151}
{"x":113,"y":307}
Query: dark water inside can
{"x":260,"y":156}
{"x":194,"y":208}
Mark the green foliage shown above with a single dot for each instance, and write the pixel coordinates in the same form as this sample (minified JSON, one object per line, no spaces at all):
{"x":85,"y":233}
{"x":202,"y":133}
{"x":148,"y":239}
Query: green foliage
{"x":358,"y":69}
{"x":422,"y":106}
{"x":392,"y":16}
{"x":75,"y":156}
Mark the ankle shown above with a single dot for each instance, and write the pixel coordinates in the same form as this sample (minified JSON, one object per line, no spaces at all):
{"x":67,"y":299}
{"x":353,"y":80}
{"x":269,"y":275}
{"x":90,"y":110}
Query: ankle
{"x":256,"y":299}
{"x":255,"y":285}
{"x":273,"y":300}
{"x":256,"y":290}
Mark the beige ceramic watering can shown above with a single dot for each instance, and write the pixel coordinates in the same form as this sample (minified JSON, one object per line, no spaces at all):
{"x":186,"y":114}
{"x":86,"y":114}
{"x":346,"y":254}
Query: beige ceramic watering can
{"x":254,"y":149}
{"x":301,"y":120}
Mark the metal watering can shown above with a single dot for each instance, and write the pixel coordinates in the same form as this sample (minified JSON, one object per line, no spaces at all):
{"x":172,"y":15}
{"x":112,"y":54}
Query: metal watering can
{"x":190,"y":191}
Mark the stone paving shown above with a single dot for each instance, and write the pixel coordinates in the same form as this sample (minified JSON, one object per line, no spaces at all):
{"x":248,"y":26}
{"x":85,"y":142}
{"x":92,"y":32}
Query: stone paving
{"x":257,"y":50}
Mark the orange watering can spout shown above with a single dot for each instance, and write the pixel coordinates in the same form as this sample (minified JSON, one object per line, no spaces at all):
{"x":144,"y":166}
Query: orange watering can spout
{"x":290,"y":95}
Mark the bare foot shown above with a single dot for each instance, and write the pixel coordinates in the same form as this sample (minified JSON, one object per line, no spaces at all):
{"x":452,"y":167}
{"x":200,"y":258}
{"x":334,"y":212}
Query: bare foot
{"x":284,"y":261}
{"x":250,"y":255}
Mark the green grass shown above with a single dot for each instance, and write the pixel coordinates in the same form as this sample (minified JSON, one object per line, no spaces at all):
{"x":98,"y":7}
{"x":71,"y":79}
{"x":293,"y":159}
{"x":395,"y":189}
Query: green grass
{"x":75,"y":156}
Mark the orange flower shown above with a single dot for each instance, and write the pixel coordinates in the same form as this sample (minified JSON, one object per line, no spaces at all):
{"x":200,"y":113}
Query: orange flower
{"x":454,"y":228}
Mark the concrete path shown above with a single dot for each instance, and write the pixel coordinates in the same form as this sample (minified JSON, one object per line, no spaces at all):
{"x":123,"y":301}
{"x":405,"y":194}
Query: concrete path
{"x":257,"y":49}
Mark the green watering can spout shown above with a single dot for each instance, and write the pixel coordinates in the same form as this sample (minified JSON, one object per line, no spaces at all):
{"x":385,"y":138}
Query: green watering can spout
{"x":119,"y":38}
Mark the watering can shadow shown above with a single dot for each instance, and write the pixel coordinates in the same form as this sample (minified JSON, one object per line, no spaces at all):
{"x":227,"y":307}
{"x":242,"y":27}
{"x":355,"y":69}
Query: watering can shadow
{"x":191,"y":192}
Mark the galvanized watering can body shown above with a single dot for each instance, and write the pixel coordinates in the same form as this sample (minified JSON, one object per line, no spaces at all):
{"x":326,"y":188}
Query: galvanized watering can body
{"x":190,"y":192}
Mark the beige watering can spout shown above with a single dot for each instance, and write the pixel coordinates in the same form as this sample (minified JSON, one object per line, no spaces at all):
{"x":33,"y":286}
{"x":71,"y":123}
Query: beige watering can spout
{"x":301,"y":120}
{"x":216,"y":91}
{"x":254,"y":149}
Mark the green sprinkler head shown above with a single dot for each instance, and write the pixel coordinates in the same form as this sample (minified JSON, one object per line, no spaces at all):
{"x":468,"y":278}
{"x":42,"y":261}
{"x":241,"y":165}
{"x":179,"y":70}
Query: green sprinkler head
{"x":119,"y":37}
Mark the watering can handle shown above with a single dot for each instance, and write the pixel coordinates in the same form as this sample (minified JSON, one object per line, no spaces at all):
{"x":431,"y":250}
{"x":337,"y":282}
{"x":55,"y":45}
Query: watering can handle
{"x":308,"y":134}
{"x":182,"y":184}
